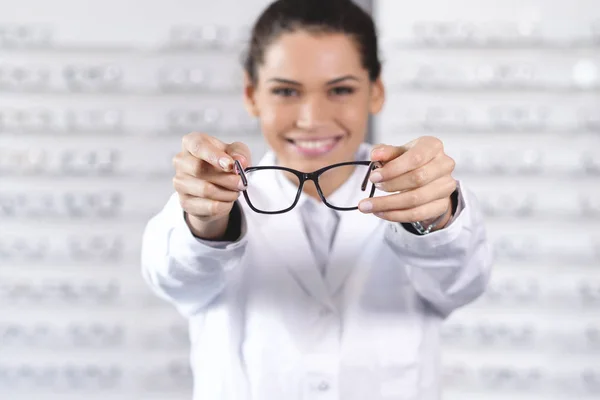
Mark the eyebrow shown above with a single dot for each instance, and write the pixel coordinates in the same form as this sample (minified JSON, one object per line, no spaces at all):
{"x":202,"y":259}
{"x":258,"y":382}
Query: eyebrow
{"x":331,"y":82}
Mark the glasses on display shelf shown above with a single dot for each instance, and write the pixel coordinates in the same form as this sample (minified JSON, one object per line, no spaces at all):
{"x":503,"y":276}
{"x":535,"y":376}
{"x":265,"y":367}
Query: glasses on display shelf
{"x":172,"y":376}
{"x":589,"y":293}
{"x":75,"y":335}
{"x":515,"y":248}
{"x":580,"y":382}
{"x":525,"y":379}
{"x":60,"y":291}
{"x":37,"y":161}
{"x":522,"y":205}
{"x":515,"y":290}
{"x":69,"y":204}
{"x":208,"y":36}
{"x":503,"y":76}
{"x":492,"y":334}
{"x":100,"y":162}
{"x":585,"y":74}
{"x":581,"y":338}
{"x":75,"y":249}
{"x":20,"y":78}
{"x":183,"y":79}
{"x":210,"y":119}
{"x":518,"y":118}
{"x":470,"y":33}
{"x":92,"y":78}
{"x":189,"y":120}
{"x":66,"y":377}
{"x":589,"y":205}
{"x":265,"y":204}
{"x":590,"y":163}
{"x":100,"y":248}
{"x":585,"y":77}
{"x":590,"y":120}
{"x":35,"y":120}
{"x":13,"y":36}
{"x":173,"y":336}
{"x":496,"y":378}
{"x":108,"y":120}
{"x":52,"y":122}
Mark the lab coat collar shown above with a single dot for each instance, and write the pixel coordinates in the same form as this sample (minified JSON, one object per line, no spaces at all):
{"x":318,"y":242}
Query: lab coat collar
{"x":293,"y":246}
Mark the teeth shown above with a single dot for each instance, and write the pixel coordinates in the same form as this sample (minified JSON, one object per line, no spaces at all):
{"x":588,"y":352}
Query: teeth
{"x":314,"y":144}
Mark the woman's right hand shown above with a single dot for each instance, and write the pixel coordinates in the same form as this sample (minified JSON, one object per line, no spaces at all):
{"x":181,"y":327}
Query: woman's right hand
{"x":206,"y":182}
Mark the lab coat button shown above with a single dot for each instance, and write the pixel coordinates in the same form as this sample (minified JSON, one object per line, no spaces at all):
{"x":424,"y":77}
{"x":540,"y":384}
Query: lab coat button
{"x":323,"y":386}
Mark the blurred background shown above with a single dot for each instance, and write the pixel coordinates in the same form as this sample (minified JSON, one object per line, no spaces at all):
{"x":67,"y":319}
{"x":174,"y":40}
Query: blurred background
{"x":95,"y":97}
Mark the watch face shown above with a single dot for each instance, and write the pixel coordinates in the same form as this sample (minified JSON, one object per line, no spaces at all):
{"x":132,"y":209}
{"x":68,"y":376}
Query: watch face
{"x":419,"y":227}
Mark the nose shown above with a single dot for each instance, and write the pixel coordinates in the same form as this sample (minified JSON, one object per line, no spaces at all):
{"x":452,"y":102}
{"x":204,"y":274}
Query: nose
{"x":314,"y":114}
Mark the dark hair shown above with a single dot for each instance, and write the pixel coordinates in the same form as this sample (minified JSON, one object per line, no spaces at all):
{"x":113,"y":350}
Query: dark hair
{"x":318,"y":16}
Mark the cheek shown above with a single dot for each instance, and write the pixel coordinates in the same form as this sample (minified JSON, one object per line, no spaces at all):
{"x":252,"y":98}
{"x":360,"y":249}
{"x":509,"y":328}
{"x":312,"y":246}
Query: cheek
{"x":270,"y":121}
{"x":355,"y":119}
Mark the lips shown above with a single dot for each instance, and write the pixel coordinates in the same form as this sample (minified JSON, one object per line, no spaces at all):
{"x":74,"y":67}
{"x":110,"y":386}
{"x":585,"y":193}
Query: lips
{"x":314,"y":146}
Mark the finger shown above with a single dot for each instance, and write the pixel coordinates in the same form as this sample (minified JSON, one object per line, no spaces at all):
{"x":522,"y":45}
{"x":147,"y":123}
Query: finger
{"x":229,"y":181}
{"x":204,"y":208}
{"x":186,"y":163}
{"x":407,"y":158}
{"x":240,"y":152}
{"x":200,"y":188}
{"x":209,"y":149}
{"x":385,"y":152}
{"x":441,"y":166}
{"x":440,"y":189}
{"x":421,"y":213}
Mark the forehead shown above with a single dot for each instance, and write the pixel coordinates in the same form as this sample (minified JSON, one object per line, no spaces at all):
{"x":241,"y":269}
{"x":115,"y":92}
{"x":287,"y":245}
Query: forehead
{"x":312,"y":56}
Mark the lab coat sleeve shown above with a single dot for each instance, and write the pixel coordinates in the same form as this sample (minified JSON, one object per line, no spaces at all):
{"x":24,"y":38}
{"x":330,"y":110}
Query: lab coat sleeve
{"x":182,"y":269}
{"x":450,"y":267}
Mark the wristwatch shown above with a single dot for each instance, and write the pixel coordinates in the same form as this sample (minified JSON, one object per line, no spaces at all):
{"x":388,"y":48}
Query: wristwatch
{"x":421,"y":229}
{"x":424,"y":230}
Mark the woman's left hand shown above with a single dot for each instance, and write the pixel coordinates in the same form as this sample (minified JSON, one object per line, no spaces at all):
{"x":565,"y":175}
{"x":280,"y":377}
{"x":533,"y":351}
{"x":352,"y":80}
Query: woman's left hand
{"x":419,"y":174}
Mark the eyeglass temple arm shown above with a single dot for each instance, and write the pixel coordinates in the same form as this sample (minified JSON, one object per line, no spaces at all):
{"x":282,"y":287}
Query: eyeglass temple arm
{"x":372,"y":166}
{"x":240,"y":171}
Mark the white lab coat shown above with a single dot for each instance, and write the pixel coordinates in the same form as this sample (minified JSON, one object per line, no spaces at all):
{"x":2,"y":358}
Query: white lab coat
{"x":266,"y":325}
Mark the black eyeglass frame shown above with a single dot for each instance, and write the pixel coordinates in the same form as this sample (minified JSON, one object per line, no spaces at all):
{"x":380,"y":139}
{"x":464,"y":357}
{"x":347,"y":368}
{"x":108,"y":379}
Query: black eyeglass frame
{"x":307,"y":176}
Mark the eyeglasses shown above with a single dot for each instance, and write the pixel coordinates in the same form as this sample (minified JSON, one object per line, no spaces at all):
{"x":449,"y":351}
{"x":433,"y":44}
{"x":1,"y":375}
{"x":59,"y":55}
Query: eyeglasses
{"x":264,"y":203}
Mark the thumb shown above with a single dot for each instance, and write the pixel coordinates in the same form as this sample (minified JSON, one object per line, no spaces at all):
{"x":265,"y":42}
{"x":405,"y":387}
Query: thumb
{"x":386,"y":153}
{"x":240,"y":152}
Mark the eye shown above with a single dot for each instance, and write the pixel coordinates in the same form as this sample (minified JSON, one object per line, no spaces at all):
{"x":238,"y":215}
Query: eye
{"x":284,"y":92}
{"x":342,"y":90}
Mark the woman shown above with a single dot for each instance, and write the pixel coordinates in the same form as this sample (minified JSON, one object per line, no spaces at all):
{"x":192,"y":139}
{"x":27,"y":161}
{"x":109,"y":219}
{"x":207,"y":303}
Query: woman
{"x":313,"y":302}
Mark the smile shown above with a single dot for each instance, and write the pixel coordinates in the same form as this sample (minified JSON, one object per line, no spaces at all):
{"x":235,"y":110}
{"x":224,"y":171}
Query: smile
{"x":314,"y":147}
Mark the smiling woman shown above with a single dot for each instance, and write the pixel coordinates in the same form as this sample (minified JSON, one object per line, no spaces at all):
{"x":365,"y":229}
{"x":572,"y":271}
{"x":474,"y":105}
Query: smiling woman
{"x":292,"y":293}
{"x":313,"y":79}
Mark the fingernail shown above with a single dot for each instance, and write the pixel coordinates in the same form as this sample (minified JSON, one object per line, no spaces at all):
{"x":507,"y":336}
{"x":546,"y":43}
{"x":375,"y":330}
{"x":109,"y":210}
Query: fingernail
{"x":241,"y":185}
{"x":376,"y":177}
{"x":365,"y":206}
{"x":225,"y":163}
{"x":379,"y":185}
{"x":376,"y":150}
{"x":239,"y":157}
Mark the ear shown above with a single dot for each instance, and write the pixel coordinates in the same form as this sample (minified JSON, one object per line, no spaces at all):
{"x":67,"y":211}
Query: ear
{"x":377,"y":96}
{"x":250,"y":96}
